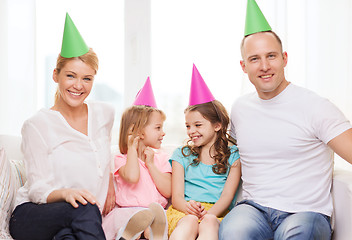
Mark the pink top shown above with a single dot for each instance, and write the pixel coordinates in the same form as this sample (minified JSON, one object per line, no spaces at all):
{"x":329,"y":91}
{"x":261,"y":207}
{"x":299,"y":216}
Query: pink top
{"x":144,"y":192}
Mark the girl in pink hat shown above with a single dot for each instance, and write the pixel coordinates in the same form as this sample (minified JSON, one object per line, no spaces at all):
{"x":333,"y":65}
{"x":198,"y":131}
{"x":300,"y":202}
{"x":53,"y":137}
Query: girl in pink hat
{"x":206,"y":171}
{"x":142,"y":175}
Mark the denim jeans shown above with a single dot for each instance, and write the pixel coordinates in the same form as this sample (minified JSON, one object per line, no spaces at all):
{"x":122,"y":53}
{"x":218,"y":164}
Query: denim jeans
{"x":56,"y":221}
{"x":249,"y":220}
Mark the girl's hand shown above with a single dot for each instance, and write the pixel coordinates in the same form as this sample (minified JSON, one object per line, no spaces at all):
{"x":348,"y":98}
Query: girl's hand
{"x":193,"y":208}
{"x":149,"y":155}
{"x":133,"y":142}
{"x":83,"y":196}
{"x":203,"y":213}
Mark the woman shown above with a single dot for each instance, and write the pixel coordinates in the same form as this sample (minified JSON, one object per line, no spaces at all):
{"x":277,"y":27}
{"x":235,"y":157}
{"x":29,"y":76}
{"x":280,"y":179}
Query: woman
{"x":67,"y":155}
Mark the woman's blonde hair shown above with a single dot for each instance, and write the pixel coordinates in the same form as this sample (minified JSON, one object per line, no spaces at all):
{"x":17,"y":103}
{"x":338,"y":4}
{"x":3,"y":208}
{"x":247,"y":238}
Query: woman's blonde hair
{"x":90,"y":58}
{"x":133,"y":121}
{"x":214,"y":112}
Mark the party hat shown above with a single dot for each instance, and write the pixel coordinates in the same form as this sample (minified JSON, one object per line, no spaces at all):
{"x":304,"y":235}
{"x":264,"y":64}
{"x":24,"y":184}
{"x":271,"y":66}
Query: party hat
{"x":145,"y":96}
{"x":255,"y":20}
{"x":200,"y":92}
{"x":73,"y":44}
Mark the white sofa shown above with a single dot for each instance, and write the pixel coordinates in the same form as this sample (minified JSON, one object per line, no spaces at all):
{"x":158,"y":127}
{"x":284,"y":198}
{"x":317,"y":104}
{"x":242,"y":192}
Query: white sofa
{"x":12,"y":177}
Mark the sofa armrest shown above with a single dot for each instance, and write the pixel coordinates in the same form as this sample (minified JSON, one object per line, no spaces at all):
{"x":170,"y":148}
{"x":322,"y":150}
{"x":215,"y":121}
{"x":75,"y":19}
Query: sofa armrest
{"x":12,"y":146}
{"x":342,"y":198}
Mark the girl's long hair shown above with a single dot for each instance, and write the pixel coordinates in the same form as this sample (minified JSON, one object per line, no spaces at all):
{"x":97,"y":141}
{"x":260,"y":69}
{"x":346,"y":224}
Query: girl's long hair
{"x":214,"y":112}
{"x":133,"y":121}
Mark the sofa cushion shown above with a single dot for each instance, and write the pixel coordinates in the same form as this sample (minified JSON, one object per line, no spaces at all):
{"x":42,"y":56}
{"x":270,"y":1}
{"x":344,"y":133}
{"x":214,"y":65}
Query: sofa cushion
{"x":7,"y":194}
{"x":342,"y":197}
{"x":12,"y":146}
{"x":18,"y":171}
{"x":11,"y":178}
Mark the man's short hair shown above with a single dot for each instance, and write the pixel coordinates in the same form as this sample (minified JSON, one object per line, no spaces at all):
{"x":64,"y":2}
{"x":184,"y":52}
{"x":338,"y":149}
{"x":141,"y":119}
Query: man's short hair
{"x":272,"y":32}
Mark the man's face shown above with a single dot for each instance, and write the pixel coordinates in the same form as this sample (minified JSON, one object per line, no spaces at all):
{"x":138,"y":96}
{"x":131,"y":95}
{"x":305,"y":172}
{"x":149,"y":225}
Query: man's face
{"x":264,"y":63}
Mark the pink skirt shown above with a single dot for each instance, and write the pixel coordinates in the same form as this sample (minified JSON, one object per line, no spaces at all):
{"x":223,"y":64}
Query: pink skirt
{"x":117,"y":218}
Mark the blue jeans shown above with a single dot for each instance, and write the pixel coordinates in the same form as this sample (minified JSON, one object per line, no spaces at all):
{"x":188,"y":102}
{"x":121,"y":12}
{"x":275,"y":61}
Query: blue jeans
{"x":249,"y":220}
{"x":56,"y":221}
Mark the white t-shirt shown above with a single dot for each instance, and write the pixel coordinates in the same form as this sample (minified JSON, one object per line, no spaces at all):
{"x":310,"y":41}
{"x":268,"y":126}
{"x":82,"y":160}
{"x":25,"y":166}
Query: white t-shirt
{"x":286,"y":164}
{"x":57,"y":156}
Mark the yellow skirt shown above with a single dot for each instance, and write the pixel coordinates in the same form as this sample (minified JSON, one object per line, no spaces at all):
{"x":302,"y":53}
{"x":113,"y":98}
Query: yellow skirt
{"x":173,"y":216}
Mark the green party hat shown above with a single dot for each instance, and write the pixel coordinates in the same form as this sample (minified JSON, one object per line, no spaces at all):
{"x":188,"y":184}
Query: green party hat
{"x":255,"y":20}
{"x":73,"y":44}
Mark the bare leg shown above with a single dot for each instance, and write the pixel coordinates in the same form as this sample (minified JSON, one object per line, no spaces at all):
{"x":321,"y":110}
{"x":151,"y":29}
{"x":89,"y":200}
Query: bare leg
{"x":186,"y":228}
{"x":147,"y":233}
{"x":209,"y":228}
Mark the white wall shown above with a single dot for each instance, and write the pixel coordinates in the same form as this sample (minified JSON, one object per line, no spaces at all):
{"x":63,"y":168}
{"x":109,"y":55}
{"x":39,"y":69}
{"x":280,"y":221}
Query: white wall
{"x":4,"y":119}
{"x":17,"y":83}
{"x":160,"y":42}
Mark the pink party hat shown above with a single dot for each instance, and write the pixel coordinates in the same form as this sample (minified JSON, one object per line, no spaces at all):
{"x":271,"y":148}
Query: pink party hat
{"x":200,"y":92}
{"x":145,"y":96}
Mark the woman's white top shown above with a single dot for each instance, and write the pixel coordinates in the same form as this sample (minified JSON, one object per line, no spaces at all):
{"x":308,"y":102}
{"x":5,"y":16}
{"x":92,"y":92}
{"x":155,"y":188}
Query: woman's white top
{"x":57,"y":156}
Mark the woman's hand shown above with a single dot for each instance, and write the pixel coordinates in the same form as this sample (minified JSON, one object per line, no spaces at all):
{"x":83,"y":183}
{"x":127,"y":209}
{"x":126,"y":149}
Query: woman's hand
{"x":83,"y":196}
{"x":110,"y":198}
{"x":72,"y":196}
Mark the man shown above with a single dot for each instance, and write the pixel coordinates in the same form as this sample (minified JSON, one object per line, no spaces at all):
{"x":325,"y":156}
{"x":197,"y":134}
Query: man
{"x":285,"y":136}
